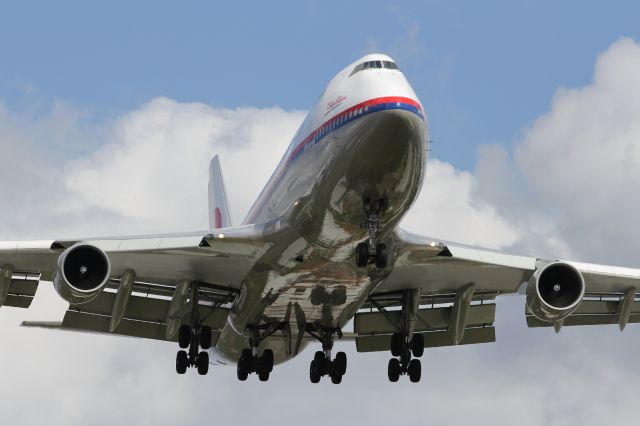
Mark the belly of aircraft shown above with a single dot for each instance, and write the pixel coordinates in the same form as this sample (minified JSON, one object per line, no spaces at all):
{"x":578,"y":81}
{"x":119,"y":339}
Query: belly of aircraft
{"x":310,"y":275}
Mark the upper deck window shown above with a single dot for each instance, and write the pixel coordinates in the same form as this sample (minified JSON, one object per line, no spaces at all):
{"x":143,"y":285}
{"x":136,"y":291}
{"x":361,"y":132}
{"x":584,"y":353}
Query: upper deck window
{"x":374,"y":65}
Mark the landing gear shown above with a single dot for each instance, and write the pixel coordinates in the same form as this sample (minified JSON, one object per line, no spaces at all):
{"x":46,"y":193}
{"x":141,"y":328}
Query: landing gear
{"x":182,"y":361}
{"x":417,"y":345}
{"x":322,"y":364}
{"x":394,"y":370}
{"x":194,"y":336}
{"x":205,"y":337}
{"x":403,"y":349}
{"x":203,"y":363}
{"x":371,"y":251}
{"x":414,"y":370}
{"x":250,"y":362}
{"x":184,"y":336}
{"x":364,"y":255}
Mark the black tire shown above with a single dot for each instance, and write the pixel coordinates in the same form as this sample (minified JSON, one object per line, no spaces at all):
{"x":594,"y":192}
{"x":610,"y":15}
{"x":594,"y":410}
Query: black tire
{"x":244,"y":364}
{"x":397,"y":342}
{"x":184,"y":336}
{"x":266,"y":363}
{"x":203,"y":363}
{"x":393,"y":370}
{"x":314,"y":375}
{"x":417,"y":345}
{"x":414,"y":370}
{"x":181,"y":362}
{"x":336,"y":378}
{"x":205,"y":337}
{"x":341,"y":363}
{"x":242,"y":371}
{"x":263,"y":376}
{"x":362,"y":255}
{"x":381,"y":255}
{"x":321,"y":362}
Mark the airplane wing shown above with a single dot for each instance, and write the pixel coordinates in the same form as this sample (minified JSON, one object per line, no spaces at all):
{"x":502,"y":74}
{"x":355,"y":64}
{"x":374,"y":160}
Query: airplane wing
{"x":154,"y":304}
{"x":456,"y":285}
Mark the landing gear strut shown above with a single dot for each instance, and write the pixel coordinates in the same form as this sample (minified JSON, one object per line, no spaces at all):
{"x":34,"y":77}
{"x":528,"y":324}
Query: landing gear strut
{"x":322,"y":364}
{"x":249,"y":361}
{"x":371,"y":251}
{"x":194,"y":337}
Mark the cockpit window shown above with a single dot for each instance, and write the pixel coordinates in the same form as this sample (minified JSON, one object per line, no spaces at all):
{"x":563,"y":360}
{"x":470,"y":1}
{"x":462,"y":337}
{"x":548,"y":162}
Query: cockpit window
{"x":374,"y":65}
{"x":390,"y":65}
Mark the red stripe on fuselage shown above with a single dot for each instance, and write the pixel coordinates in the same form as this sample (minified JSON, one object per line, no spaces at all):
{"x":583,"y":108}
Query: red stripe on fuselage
{"x":370,"y":102}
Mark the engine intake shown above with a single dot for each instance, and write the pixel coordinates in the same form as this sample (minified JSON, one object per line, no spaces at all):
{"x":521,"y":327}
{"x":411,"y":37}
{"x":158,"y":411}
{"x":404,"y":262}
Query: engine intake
{"x":555,"y":291}
{"x":83,"y":271}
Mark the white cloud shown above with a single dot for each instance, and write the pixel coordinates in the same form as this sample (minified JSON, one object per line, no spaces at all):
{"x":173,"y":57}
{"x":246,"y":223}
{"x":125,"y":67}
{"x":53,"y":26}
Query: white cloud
{"x":571,"y":182}
{"x":155,"y":169}
{"x":447,"y":208}
{"x":577,"y":168}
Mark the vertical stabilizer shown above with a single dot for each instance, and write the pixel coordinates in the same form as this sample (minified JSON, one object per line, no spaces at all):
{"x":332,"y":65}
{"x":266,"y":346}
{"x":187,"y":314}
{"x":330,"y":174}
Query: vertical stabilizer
{"x":219,"y":216}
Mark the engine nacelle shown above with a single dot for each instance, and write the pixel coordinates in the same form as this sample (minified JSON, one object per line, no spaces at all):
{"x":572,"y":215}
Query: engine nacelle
{"x":555,"y":291}
{"x":83,"y":271}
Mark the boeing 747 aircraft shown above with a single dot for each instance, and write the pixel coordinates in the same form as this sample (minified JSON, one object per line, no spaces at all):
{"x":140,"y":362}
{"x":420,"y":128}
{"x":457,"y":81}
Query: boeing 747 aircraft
{"x":319,"y":248}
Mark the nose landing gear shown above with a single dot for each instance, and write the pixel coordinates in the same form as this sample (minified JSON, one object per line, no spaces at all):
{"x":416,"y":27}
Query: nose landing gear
{"x":372,"y":251}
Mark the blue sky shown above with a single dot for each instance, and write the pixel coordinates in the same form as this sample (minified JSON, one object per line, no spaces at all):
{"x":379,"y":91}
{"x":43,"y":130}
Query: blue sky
{"x":484,"y":70}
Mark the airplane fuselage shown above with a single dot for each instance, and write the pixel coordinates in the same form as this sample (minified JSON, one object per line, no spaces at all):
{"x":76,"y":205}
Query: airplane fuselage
{"x":364,"y":139}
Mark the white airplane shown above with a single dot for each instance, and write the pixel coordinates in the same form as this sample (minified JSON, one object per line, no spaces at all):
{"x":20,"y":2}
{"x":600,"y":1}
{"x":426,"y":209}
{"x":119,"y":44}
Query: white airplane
{"x":320,"y":247}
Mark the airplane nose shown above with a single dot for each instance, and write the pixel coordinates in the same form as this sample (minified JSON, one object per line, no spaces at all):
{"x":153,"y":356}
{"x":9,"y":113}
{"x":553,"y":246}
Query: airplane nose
{"x":391,"y":135}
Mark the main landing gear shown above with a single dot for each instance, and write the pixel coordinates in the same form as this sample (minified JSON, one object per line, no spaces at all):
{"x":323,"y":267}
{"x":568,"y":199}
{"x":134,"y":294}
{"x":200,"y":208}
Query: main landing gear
{"x":194,"y":337}
{"x":403,"y":364}
{"x":322,"y":364}
{"x":249,"y":361}
{"x":406,"y":341}
{"x":371,"y":251}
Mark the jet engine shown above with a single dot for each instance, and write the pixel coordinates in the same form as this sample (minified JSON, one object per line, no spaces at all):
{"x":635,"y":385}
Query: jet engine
{"x":83,"y":271}
{"x":555,"y":291}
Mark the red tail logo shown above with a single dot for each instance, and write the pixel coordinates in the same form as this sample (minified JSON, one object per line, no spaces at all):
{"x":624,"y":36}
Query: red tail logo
{"x":218,"y":216}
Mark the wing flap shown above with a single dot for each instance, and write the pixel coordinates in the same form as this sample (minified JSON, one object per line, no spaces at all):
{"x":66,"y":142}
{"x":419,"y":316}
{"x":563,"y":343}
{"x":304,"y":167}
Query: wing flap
{"x":149,"y":310}
{"x":144,"y":317}
{"x":374,"y":323}
{"x":98,"y":324}
{"x":432,"y":339}
{"x":22,"y":290}
{"x":593,"y":312}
